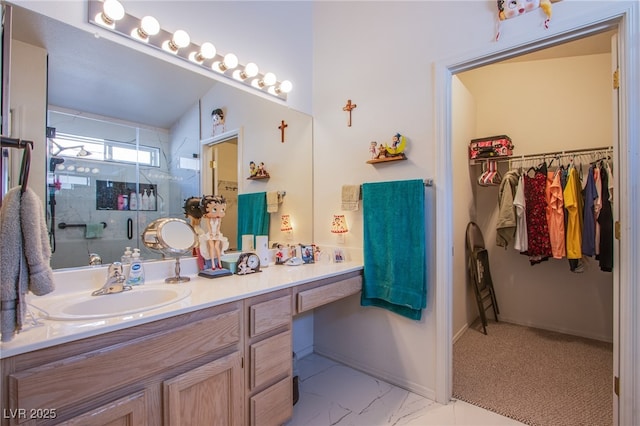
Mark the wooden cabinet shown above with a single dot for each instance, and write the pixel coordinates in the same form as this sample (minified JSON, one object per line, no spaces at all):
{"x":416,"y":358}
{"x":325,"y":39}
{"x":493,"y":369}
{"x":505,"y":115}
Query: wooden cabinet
{"x":268,"y":352}
{"x":225,"y":365}
{"x":208,"y":395}
{"x":189,"y":357}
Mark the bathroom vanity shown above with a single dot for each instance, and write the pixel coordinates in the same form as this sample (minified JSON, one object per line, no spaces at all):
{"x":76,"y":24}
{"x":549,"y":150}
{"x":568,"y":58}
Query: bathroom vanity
{"x":221,"y":355}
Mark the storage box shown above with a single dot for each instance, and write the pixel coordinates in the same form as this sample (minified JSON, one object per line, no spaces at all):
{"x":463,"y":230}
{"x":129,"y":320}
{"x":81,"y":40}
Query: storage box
{"x":492,"y":146}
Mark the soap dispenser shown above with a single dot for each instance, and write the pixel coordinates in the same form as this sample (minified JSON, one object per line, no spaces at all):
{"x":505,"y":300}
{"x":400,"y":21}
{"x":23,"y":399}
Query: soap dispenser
{"x":127,"y":256}
{"x":136,"y":272}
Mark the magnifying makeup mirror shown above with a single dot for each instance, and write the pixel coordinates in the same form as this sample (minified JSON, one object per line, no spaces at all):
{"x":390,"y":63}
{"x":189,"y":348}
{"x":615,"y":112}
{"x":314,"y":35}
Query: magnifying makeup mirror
{"x":171,"y":237}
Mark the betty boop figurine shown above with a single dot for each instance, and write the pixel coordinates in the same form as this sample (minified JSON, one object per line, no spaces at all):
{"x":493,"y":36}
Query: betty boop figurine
{"x":213,"y":210}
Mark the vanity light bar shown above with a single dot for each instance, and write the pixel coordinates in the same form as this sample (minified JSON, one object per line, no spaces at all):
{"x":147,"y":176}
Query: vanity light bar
{"x":179,"y":45}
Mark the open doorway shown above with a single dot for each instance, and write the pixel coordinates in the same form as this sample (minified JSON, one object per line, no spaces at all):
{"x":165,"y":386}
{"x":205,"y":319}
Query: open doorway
{"x":445,"y":233}
{"x":561,"y":315}
{"x":221,"y":178}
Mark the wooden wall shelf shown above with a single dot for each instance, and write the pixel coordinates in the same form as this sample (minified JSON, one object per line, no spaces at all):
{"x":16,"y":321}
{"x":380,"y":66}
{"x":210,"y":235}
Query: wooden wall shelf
{"x":387,"y":159}
{"x":257,"y":177}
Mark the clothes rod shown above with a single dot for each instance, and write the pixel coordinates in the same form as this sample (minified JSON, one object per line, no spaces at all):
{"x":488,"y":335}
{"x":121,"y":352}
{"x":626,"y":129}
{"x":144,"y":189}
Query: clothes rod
{"x":567,"y":153}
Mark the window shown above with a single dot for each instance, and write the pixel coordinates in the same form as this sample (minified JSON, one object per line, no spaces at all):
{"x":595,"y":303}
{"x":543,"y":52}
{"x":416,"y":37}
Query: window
{"x":67,"y":145}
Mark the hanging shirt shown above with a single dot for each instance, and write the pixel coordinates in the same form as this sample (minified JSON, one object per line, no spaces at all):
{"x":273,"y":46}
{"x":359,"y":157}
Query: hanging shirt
{"x":556,"y":217}
{"x":597,"y":205}
{"x":589,"y":220}
{"x":605,"y":219}
{"x":536,"y":208}
{"x":519,"y":203}
{"x":506,"y":226}
{"x":574,"y":206}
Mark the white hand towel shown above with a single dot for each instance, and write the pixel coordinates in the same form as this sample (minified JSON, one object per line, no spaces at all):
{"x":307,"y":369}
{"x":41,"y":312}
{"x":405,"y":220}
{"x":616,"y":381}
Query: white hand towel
{"x":272,"y":201}
{"x":350,"y":197}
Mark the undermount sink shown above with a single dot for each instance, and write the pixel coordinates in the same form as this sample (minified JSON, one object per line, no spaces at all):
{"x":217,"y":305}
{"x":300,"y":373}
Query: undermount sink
{"x":86,"y":306}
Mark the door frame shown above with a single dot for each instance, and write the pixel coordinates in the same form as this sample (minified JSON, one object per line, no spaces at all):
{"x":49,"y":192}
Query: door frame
{"x":625,"y":17}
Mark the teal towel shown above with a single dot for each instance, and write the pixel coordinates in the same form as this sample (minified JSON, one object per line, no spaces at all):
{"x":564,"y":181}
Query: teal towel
{"x":93,"y":230}
{"x":252,"y":215}
{"x":394,"y":247}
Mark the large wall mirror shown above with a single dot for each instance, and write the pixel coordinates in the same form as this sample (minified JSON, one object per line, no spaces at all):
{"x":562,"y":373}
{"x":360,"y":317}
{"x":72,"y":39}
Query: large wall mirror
{"x":130,"y":138}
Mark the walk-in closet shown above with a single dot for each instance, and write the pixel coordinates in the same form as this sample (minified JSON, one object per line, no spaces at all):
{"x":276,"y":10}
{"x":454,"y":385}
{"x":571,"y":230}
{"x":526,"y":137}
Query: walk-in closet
{"x":556,"y":305}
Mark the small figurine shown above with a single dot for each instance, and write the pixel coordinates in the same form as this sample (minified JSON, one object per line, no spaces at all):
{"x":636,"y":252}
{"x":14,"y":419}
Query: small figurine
{"x":262,"y":172}
{"x":396,"y":149}
{"x":253,"y":170}
{"x":281,"y":253}
{"x":372,"y":149}
{"x":213,"y":210}
{"x":218,"y":121}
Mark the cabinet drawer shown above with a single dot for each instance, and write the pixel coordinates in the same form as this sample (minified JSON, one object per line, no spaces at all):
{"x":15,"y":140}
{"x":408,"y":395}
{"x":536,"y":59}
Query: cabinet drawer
{"x":274,"y":405}
{"x":270,"y":359}
{"x":269,"y":315}
{"x":309,"y":299}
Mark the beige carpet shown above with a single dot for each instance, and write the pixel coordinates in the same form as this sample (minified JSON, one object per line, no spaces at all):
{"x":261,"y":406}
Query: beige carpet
{"x":534,"y":376}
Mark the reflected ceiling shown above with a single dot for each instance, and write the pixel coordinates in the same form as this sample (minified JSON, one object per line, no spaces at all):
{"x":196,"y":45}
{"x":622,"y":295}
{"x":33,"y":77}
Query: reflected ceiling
{"x":102,"y":77}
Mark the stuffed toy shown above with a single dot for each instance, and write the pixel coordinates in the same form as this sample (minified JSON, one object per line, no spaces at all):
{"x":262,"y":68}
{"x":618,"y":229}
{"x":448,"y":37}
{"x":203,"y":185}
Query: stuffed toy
{"x":508,"y":9}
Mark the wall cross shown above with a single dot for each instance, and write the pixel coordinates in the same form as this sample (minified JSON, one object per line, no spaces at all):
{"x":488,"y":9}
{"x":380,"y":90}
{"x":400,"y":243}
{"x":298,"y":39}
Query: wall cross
{"x":349,"y":107}
{"x":282,"y":127}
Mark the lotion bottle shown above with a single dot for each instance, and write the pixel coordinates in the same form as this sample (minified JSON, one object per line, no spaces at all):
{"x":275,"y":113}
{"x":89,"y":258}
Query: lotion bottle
{"x":152,"y":200}
{"x":136,"y":271}
{"x":133,"y":201}
{"x":145,"y":201}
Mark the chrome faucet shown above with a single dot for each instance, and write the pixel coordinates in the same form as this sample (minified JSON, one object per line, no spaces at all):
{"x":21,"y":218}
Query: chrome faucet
{"x":115,"y":281}
{"x":94,"y":259}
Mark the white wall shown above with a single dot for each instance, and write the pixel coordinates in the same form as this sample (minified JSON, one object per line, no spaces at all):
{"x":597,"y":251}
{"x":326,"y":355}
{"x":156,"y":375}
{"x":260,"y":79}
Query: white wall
{"x":544,"y":106}
{"x":29,"y":111}
{"x":464,"y":115}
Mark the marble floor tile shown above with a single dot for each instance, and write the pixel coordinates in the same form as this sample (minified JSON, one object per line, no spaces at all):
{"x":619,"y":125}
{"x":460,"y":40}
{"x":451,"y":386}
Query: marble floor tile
{"x":332,"y":394}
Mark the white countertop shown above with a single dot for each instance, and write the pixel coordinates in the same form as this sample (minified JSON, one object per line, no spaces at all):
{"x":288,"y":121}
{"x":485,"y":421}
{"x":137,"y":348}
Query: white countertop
{"x":204,"y":293}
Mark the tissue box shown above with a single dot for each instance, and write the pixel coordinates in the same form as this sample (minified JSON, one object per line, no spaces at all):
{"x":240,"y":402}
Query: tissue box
{"x":229,"y":261}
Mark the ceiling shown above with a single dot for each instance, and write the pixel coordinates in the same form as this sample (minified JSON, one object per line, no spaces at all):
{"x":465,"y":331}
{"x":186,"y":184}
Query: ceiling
{"x":99,"y":76}
{"x":95,"y":75}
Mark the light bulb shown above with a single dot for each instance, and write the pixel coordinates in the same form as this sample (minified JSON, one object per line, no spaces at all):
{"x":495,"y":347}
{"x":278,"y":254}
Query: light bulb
{"x":269,"y":79}
{"x":149,"y":26}
{"x":286,"y":86}
{"x":250,"y":70}
{"x":112,"y":10}
{"x":180,"y":39}
{"x":207,"y":51}
{"x":230,"y":61}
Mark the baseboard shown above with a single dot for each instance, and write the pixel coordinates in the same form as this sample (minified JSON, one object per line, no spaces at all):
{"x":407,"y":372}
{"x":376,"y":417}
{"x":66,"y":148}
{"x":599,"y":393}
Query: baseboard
{"x":556,"y":329}
{"x":302,"y":352}
{"x":394,"y":380}
{"x":460,"y":332}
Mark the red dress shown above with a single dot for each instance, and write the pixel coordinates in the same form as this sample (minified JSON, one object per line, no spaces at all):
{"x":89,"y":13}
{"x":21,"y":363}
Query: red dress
{"x":539,"y":248}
